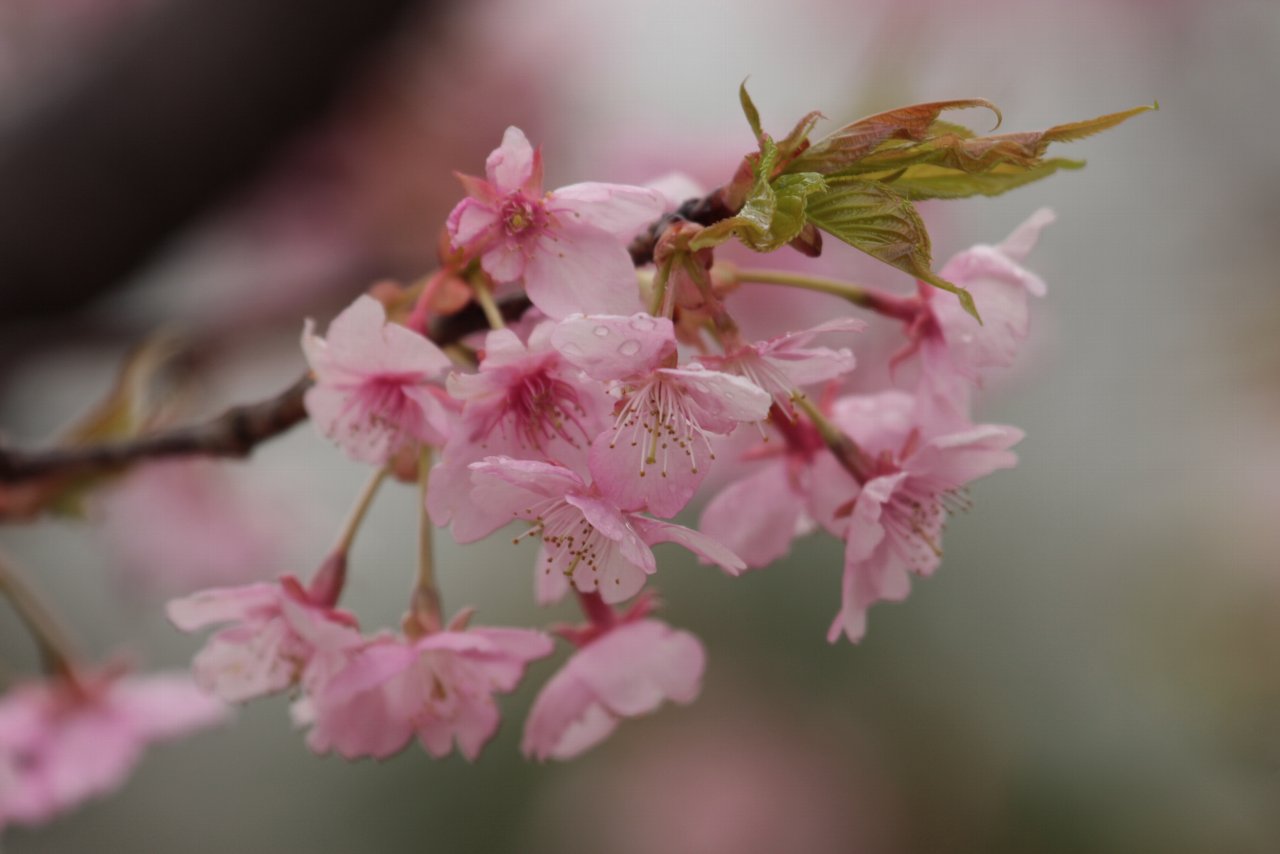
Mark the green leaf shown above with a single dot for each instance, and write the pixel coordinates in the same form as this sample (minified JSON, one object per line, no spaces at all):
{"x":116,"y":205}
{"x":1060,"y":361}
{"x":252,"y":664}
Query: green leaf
{"x":976,"y":154}
{"x":774,"y":212}
{"x":929,"y":181}
{"x":849,"y":144}
{"x":873,"y":218}
{"x":749,"y":108}
{"x":798,"y":140}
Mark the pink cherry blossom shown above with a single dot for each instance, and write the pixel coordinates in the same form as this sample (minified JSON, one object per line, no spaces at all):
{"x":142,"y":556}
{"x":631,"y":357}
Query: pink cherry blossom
{"x":627,"y":671}
{"x":525,"y":402}
{"x":569,"y":245}
{"x":759,"y":515}
{"x":894,"y":520}
{"x":374,"y":393}
{"x":785,"y":363}
{"x":63,"y":743}
{"x":659,"y":449}
{"x":279,"y":637}
{"x":438,"y":687}
{"x":956,"y":350}
{"x":587,"y":538}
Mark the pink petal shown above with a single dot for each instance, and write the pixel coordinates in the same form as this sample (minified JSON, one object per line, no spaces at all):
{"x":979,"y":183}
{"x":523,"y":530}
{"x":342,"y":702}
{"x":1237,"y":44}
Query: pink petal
{"x":877,"y":422}
{"x":163,"y":706}
{"x":618,"y":209}
{"x":246,"y":662}
{"x":549,"y":584}
{"x":654,"y":531}
{"x":960,"y":458}
{"x":1019,"y":244}
{"x":621,"y":470}
{"x":581,"y":270}
{"x":872,"y":572}
{"x":510,"y":166}
{"x":725,"y":400}
{"x":565,"y":720}
{"x":609,"y":347}
{"x":503,"y":489}
{"x":336,"y":418}
{"x":505,"y":261}
{"x":757,"y":516}
{"x":471,"y":221}
{"x":627,"y":672}
{"x":222,"y":605}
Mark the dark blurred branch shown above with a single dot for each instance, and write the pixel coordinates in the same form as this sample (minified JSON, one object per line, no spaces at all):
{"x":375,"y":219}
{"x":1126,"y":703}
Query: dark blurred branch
{"x":166,"y":122}
{"x":233,"y":434}
{"x":240,"y":429}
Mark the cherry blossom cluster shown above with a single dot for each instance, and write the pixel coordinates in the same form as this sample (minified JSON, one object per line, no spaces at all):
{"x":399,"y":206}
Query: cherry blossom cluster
{"x":588,"y":424}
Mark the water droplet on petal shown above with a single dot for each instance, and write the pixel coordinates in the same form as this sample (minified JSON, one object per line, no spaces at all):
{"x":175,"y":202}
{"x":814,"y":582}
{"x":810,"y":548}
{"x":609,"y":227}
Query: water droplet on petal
{"x":629,"y":347}
{"x":643,"y":323}
{"x":601,"y":331}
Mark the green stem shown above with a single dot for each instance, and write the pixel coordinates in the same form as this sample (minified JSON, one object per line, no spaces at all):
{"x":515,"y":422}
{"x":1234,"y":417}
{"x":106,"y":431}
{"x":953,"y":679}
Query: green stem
{"x":658,"y":303}
{"x":853,"y":293}
{"x":426,"y":595}
{"x":846,"y":451}
{"x":484,"y":296}
{"x":725,"y":327}
{"x":55,"y":646}
{"x":359,"y":511}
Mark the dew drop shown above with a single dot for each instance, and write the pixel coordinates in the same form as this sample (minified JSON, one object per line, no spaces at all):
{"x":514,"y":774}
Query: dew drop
{"x":629,"y":347}
{"x":601,"y":331}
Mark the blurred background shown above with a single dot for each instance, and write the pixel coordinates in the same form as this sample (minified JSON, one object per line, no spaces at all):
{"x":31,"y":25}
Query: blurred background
{"x":1094,"y":669}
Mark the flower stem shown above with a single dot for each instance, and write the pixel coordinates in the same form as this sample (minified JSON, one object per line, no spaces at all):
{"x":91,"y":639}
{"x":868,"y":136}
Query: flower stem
{"x":596,"y":611}
{"x":658,"y":304}
{"x":421,"y":311}
{"x":901,"y":308}
{"x":358,"y":511}
{"x":426,"y":596}
{"x":329,"y":580}
{"x":55,"y":646}
{"x":484,"y":296}
{"x":725,"y":327}
{"x":846,"y":451}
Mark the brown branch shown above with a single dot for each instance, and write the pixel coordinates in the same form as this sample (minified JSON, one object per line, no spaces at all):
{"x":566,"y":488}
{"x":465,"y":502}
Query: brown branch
{"x":233,"y":434}
{"x":240,"y":429}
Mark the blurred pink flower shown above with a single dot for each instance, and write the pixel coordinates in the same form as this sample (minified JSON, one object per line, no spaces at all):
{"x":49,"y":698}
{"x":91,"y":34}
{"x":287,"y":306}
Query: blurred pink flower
{"x":63,"y":743}
{"x":587,"y":539}
{"x":569,"y":245}
{"x":373,"y":393}
{"x":178,"y":525}
{"x":956,"y":350}
{"x":279,"y":637}
{"x":627,"y":671}
{"x":438,"y":687}
{"x":892,"y":524}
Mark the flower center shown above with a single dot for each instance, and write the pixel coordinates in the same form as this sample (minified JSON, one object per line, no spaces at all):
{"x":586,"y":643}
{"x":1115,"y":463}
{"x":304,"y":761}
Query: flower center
{"x":571,"y":543}
{"x":519,"y":214}
{"x":659,"y":421}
